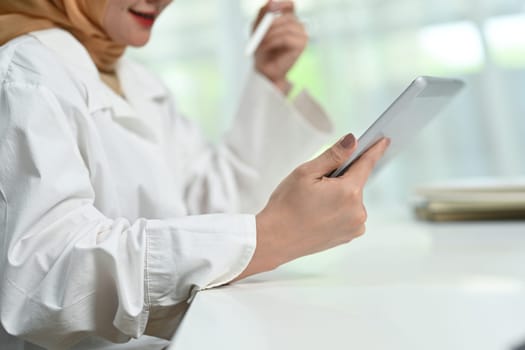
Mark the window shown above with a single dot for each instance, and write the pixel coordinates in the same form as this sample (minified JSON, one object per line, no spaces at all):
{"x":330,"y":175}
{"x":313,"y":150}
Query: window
{"x":362,"y":54}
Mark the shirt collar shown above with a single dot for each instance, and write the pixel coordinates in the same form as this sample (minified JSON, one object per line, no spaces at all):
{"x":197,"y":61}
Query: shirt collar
{"x":135,"y":81}
{"x":138,"y":83}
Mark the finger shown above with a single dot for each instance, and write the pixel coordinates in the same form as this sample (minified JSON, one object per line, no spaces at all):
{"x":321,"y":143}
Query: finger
{"x":284,"y":19}
{"x":286,"y":26}
{"x":333,"y":157}
{"x":284,"y":37}
{"x":286,"y":42}
{"x":292,"y":25}
{"x":360,"y":171}
{"x":294,"y":29}
{"x":282,"y":6}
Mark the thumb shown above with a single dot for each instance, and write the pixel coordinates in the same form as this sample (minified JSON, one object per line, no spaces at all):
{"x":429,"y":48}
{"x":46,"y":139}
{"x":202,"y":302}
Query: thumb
{"x":333,"y":157}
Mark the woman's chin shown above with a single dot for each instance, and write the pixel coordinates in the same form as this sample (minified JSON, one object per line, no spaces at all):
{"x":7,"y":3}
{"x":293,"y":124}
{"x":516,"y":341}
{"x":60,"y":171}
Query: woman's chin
{"x":138,"y":41}
{"x":135,"y":38}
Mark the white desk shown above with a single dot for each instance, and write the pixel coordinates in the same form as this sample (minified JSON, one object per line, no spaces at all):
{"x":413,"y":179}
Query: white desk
{"x":404,"y":285}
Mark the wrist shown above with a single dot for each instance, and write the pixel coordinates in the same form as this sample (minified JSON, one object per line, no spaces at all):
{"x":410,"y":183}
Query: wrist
{"x":266,"y":256}
{"x":283,"y":85}
{"x":267,"y":252}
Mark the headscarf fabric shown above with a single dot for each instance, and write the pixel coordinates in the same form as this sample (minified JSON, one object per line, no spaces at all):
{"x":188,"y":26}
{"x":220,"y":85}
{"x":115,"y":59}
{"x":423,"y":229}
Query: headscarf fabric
{"x":82,"y":18}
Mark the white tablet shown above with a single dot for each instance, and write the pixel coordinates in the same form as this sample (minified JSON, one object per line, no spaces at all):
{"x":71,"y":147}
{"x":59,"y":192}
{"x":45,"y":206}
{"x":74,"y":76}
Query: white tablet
{"x":422,"y":100}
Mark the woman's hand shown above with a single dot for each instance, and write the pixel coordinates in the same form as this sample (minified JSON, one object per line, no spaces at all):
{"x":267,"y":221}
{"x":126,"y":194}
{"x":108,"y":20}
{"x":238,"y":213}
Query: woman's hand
{"x":283,"y":44}
{"x":309,"y":212}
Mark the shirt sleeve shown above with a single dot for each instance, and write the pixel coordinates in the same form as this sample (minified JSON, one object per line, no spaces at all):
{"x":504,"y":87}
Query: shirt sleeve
{"x":69,"y":272}
{"x":269,"y":137}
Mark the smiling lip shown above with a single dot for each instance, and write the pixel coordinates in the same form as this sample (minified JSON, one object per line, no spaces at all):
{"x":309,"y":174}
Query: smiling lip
{"x":143,"y":18}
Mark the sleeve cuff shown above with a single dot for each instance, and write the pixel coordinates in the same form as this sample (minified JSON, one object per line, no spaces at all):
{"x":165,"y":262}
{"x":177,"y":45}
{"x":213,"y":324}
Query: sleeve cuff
{"x":313,"y":112}
{"x":304,"y":104}
{"x":194,"y":253}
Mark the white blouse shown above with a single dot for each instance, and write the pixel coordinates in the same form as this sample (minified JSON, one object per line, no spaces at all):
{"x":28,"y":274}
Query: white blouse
{"x":114,"y":211}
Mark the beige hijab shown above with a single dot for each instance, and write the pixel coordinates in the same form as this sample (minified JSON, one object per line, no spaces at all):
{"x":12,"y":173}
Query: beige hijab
{"x":82,"y":18}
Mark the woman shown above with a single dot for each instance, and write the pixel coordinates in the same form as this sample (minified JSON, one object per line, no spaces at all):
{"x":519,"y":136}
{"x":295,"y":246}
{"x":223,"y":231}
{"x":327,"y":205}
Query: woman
{"x":104,"y":186}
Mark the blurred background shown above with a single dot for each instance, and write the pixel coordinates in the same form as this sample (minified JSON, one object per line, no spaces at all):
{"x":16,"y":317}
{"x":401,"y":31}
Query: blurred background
{"x":362,"y":54}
